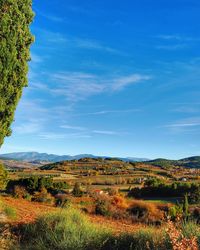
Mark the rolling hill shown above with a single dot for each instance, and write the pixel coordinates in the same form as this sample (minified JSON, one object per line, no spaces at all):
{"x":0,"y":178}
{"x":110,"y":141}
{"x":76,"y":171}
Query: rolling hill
{"x":190,"y":162}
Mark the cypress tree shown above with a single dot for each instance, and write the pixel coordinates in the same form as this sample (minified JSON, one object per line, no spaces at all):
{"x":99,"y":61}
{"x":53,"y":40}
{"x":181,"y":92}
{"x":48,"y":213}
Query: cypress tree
{"x":15,"y":41}
{"x":186,"y":206}
{"x":3,"y":177}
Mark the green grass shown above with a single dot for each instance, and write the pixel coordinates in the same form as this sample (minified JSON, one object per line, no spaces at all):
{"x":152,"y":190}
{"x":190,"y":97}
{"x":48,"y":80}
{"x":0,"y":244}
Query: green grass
{"x":158,"y":201}
{"x":69,"y":229}
{"x":66,"y":229}
{"x":1,"y":204}
{"x":10,"y":212}
{"x":191,"y":229}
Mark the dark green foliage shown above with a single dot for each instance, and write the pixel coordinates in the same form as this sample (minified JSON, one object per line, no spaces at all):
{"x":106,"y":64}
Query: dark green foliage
{"x":156,"y":189}
{"x":3,"y":177}
{"x":31,"y":184}
{"x":15,"y":41}
{"x":60,"y":185}
{"x":180,"y":210}
{"x":62,"y":201}
{"x":103,"y":207}
{"x":186,"y":206}
{"x":176,"y":211}
{"x":77,"y":191}
{"x":191,"y":162}
{"x":195,"y":196}
{"x":153,"y":182}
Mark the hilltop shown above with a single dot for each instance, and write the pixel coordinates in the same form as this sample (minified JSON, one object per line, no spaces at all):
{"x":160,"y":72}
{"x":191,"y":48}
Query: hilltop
{"x":190,"y":162}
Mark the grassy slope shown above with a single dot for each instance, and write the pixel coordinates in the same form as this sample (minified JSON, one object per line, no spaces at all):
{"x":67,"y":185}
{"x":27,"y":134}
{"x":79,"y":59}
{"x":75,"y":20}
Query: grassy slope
{"x":44,"y":227}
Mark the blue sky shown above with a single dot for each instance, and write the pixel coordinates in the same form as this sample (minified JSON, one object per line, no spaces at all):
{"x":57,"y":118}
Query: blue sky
{"x":112,"y":77}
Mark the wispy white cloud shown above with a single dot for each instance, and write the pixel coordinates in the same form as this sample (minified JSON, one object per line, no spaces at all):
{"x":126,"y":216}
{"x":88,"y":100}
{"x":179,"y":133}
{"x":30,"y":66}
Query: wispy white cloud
{"x":74,"y":42}
{"x":105,"y":112}
{"x":96,"y":45}
{"x":61,"y":136}
{"x":185,"y":109}
{"x":122,"y":82}
{"x":86,"y":131}
{"x":180,"y":125}
{"x":185,"y":125}
{"x":35,"y":58}
{"x":105,"y":132}
{"x":175,"y":41}
{"x":28,"y":128}
{"x":172,"y":46}
{"x":77,"y":86}
{"x":170,"y":37}
{"x":73,"y":127}
{"x":177,"y":37}
{"x":49,"y":16}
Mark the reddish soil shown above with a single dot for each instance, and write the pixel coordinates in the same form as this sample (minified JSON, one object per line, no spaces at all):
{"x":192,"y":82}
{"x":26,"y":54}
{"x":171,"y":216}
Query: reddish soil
{"x":116,"y":225}
{"x":28,"y":211}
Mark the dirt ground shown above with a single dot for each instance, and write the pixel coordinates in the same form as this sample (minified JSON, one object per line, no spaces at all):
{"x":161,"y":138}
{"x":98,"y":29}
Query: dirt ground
{"x":28,"y":211}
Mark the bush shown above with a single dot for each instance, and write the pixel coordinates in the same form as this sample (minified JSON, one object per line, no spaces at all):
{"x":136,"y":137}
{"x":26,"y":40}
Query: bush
{"x":60,"y":185}
{"x":19,"y":192}
{"x":143,"y":239}
{"x":103,"y":207}
{"x":31,"y":184}
{"x":66,"y":229}
{"x":113,"y":191}
{"x":191,"y":229}
{"x":119,"y":202}
{"x":145,"y":212}
{"x":70,"y":229}
{"x":77,"y":191}
{"x":10,"y":212}
{"x":62,"y":201}
{"x":43,"y":196}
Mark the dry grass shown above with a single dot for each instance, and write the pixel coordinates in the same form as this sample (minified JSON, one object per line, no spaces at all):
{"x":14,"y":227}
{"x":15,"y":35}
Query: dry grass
{"x":145,"y":212}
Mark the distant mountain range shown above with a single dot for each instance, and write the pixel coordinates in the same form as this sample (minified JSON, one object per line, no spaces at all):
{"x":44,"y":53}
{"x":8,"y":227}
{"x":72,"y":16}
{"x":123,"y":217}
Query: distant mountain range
{"x":43,"y":157}
{"x":36,"y":158}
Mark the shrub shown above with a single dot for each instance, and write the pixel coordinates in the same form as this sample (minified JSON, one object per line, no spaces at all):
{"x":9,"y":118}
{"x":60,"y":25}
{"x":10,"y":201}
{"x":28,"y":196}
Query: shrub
{"x":103,"y":207}
{"x":77,"y":191}
{"x":66,"y":229}
{"x":43,"y":196}
{"x":19,"y":192}
{"x":178,"y":239}
{"x":145,"y":212}
{"x":28,"y":197}
{"x":196,"y":215}
{"x":62,"y":201}
{"x":119,"y":202}
{"x":10,"y":212}
{"x":176,"y":212}
{"x":143,"y":239}
{"x":60,"y":185}
{"x":31,"y":184}
{"x":113,"y":191}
